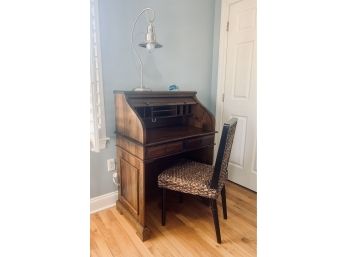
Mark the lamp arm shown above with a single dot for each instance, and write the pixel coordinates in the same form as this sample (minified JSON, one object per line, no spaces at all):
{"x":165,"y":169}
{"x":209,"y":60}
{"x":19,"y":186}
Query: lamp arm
{"x":132,"y":40}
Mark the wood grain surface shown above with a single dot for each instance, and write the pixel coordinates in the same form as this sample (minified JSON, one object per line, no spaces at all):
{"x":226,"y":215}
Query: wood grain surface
{"x":189,"y":229}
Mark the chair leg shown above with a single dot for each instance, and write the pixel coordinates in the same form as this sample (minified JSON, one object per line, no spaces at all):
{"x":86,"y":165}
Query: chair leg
{"x":223,"y":198}
{"x":180,"y":197}
{"x":163,"y":206}
{"x":216,"y":219}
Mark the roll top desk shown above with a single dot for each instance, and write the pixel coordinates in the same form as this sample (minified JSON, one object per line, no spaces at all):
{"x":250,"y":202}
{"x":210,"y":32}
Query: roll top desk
{"x":153,"y":130}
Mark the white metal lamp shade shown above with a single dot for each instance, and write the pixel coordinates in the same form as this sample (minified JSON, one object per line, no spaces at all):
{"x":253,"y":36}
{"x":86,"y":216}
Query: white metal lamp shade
{"x":150,"y":42}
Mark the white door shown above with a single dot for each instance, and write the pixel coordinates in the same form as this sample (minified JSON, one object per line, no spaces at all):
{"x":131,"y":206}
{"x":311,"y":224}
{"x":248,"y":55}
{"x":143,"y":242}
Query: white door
{"x":239,"y":88}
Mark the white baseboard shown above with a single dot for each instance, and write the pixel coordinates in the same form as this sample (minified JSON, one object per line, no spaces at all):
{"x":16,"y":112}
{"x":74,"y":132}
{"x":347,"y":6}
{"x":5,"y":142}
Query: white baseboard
{"x":103,"y":201}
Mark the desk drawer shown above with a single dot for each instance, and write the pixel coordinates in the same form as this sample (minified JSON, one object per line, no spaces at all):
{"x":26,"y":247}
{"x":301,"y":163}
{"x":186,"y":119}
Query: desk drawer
{"x":198,"y":142}
{"x":163,"y":150}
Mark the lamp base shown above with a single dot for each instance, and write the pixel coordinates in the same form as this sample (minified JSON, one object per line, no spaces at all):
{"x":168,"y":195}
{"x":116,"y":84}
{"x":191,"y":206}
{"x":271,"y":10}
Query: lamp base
{"x":142,"y":89}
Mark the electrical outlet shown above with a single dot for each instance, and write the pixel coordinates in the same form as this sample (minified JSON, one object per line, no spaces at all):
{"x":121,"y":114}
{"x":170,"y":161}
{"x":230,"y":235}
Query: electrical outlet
{"x":111,"y":164}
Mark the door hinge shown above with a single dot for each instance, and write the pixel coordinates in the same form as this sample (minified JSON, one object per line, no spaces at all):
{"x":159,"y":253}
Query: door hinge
{"x":228,"y":26}
{"x":223,"y":97}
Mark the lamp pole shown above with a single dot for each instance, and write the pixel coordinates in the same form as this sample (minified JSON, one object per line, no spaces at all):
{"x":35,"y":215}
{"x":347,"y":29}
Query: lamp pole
{"x":142,"y":88}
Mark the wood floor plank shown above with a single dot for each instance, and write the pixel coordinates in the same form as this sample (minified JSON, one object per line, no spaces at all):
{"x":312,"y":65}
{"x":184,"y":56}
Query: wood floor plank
{"x":189,"y":230}
{"x":177,"y":231}
{"x":98,"y":241}
{"x":137,"y":243}
{"x":119,"y":237}
{"x":108,"y":238}
{"x":242,"y":232}
{"x":160,"y":245}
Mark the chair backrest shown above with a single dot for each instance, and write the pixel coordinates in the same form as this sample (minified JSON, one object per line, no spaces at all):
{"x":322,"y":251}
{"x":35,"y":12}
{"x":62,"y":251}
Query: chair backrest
{"x":224,"y":152}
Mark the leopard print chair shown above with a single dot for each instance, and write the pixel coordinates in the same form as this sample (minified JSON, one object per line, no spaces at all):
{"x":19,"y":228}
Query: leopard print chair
{"x":200,"y":179}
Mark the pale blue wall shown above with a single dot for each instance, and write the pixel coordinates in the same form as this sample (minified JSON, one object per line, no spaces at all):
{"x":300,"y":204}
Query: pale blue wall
{"x":186,"y":30}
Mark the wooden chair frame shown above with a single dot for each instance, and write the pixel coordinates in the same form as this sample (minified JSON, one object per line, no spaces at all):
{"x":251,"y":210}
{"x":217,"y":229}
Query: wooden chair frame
{"x":231,"y":124}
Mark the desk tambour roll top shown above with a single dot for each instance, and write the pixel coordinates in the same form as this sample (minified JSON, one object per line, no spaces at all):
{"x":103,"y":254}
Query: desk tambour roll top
{"x":157,"y":118}
{"x":151,"y":126}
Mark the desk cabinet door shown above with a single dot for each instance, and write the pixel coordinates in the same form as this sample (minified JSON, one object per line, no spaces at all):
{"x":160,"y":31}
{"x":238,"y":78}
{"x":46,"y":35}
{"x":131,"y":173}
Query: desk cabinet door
{"x":131,"y":186}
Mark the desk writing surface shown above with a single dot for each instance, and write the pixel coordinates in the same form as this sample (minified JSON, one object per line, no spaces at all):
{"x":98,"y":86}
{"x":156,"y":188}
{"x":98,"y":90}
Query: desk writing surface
{"x":156,"y":136}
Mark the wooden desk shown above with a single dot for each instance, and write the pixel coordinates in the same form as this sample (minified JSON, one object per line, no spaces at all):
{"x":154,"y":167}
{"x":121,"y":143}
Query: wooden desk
{"x":153,"y":130}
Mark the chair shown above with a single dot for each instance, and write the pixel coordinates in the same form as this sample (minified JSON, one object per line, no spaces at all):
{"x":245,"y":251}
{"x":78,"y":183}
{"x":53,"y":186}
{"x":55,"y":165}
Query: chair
{"x":200,"y":179}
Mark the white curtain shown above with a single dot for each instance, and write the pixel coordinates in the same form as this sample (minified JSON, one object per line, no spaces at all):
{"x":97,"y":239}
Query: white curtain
{"x":98,"y":137}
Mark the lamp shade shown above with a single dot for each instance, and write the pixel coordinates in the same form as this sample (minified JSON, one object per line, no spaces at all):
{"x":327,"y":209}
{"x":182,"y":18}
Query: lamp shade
{"x":150,"y":39}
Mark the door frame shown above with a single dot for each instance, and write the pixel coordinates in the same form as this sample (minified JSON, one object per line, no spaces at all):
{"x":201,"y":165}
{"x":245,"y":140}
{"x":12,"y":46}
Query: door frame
{"x":221,"y":70}
{"x":222,"y":73}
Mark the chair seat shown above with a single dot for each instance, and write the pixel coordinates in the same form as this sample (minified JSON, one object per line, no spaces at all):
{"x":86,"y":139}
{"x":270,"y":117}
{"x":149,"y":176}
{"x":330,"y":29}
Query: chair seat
{"x":189,"y":177}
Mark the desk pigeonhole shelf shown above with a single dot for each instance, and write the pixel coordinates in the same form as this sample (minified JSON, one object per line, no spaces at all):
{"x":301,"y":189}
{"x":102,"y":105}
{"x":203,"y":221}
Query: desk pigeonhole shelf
{"x":158,"y":109}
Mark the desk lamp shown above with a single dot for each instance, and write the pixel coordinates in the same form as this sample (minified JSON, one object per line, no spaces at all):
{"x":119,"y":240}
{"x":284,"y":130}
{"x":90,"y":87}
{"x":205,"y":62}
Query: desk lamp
{"x":150,"y":43}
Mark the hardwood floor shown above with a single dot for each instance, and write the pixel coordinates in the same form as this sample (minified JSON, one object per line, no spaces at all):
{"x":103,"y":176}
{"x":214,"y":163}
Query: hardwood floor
{"x":189,"y":229}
